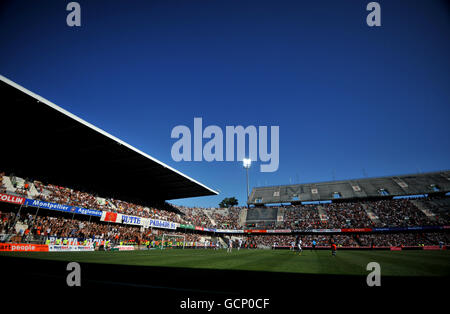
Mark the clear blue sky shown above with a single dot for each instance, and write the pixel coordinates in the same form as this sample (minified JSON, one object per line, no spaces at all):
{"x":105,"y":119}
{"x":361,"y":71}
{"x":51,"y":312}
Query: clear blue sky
{"x":347,"y":97}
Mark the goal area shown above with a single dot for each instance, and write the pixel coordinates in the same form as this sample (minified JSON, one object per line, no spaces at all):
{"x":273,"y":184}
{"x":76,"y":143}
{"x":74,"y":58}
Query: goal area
{"x":173,"y":240}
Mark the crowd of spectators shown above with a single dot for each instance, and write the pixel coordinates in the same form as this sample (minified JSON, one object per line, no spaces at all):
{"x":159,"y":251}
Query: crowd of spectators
{"x":270,"y":240}
{"x":307,"y":240}
{"x":399,"y":213}
{"x":404,"y":239}
{"x":59,"y":227}
{"x":439,"y":206}
{"x":46,"y":226}
{"x":227,"y":218}
{"x":68,"y":196}
{"x":7,"y":220}
{"x":221,"y":218}
{"x":347,"y":215}
{"x":301,"y":217}
{"x":357,"y":240}
{"x":387,"y":213}
{"x":20,"y":190}
{"x":195,"y":216}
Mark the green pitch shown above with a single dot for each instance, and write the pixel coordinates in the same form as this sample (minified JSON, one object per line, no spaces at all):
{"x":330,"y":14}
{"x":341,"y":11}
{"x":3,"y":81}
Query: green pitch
{"x":403,"y":263}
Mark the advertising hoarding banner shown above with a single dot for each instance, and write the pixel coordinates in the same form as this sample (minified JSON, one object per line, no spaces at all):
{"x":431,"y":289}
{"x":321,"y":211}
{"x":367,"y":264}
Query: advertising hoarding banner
{"x":409,"y":228}
{"x":70,"y":248}
{"x":356,"y":230}
{"x":131,"y":220}
{"x":222,"y":230}
{"x":12,"y":199}
{"x":124,"y":248}
{"x":86,"y":211}
{"x":381,"y":229}
{"x":187,"y":226}
{"x":426,"y":228}
{"x":432,"y":247}
{"x":62,"y":208}
{"x":156,"y":223}
{"x":228,"y":231}
{"x":324,"y":230}
{"x":316,"y":230}
{"x":23,"y":247}
{"x":255,"y":231}
{"x":52,"y":240}
{"x":47,"y":205}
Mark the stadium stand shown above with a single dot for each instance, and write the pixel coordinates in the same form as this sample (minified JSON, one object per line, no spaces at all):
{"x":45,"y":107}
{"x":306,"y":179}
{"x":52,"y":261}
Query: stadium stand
{"x":68,"y":190}
{"x":414,"y":184}
{"x":41,"y":225}
{"x":82,"y":156}
{"x":266,"y":216}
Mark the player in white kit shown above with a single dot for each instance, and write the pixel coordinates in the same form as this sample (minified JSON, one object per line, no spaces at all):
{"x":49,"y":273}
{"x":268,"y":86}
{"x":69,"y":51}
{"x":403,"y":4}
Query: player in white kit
{"x":230,"y":246}
{"x":292,"y":246}
{"x":299,"y":245}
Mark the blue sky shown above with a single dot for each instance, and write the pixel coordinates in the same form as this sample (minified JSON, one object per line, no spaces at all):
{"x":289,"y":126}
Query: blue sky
{"x":346,"y":96}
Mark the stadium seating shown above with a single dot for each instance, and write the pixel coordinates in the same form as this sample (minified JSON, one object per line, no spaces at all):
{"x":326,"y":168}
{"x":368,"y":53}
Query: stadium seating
{"x":382,"y":213}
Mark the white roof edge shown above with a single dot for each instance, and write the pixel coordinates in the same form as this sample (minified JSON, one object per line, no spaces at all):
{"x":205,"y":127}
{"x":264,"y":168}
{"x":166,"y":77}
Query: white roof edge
{"x":71,"y":115}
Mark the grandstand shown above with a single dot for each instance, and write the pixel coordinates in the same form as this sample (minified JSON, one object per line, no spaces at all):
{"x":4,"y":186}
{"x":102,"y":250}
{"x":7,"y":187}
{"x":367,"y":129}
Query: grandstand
{"x":56,"y":146}
{"x":391,"y":211}
{"x":432,"y":183}
{"x":40,"y":212}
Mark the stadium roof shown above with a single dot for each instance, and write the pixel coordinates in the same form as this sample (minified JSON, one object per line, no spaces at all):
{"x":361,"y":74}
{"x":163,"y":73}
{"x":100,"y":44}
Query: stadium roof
{"x":43,"y":141}
{"x":413,"y":184}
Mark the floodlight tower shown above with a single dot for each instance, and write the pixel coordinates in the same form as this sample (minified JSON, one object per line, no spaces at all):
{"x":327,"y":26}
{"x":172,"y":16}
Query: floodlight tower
{"x":247,"y":162}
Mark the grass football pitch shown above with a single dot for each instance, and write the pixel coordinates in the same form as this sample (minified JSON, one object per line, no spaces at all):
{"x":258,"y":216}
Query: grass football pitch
{"x":393,"y":263}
